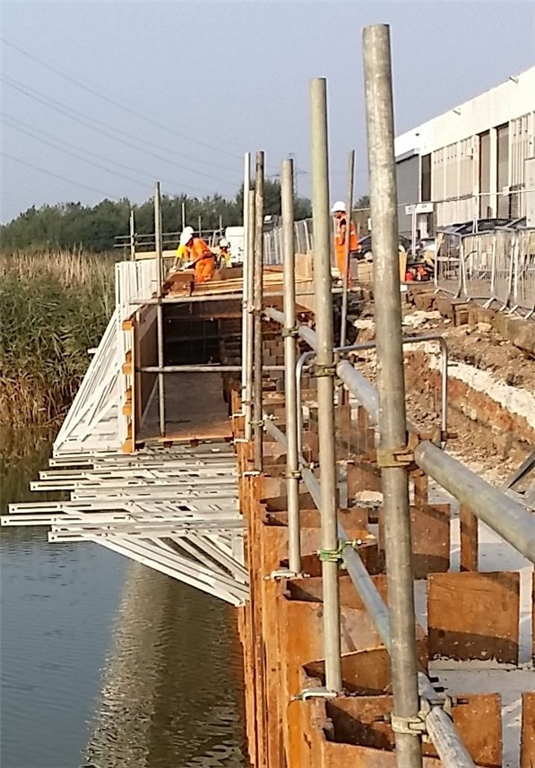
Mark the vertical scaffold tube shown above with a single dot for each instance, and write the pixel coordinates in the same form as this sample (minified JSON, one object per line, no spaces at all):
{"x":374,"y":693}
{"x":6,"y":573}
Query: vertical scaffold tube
{"x":325,"y":385}
{"x":258,"y":301}
{"x":391,"y":389}
{"x":290,"y":358}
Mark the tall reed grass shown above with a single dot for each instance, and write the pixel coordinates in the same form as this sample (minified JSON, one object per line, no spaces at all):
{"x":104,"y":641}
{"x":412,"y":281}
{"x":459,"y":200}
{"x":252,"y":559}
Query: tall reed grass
{"x":53,"y":308}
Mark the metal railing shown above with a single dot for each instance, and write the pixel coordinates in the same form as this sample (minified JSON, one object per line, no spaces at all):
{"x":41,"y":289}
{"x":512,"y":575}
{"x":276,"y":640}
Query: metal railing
{"x":273,"y":241}
{"x":496,"y":266}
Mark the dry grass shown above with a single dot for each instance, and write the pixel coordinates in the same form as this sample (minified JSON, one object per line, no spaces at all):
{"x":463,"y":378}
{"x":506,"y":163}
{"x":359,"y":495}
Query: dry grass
{"x":53,"y":308}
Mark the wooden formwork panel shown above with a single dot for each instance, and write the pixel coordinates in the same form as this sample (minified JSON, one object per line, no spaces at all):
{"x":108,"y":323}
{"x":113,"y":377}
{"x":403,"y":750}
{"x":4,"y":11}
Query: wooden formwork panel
{"x":474,"y":616}
{"x":430,"y":538}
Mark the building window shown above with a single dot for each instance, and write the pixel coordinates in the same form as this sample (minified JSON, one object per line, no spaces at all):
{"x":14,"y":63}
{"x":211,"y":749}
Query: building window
{"x":502,"y":169}
{"x":426,"y":178}
{"x":485,"y":211}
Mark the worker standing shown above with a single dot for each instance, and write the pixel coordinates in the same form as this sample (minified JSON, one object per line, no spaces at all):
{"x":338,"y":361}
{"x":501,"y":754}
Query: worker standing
{"x":194,"y":252}
{"x":224,"y":255}
{"x":340,"y":216}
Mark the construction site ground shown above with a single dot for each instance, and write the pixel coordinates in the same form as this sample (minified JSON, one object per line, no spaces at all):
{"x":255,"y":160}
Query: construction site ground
{"x":501,"y":375}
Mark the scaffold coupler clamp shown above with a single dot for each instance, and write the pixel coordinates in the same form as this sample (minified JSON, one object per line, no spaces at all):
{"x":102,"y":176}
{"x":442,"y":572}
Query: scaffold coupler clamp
{"x":415,"y":726}
{"x":337,"y":555}
{"x":314,"y":693}
{"x":285,"y":573}
{"x":294,"y":474}
{"x":387,"y":458}
{"x":319,"y":370}
{"x":290,"y":332}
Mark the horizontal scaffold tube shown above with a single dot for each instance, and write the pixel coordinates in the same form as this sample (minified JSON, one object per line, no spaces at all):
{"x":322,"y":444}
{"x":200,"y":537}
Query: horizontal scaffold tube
{"x":506,"y":517}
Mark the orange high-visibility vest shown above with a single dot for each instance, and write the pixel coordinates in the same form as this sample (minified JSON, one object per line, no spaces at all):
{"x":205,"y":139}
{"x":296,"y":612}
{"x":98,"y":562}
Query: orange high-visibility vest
{"x":339,"y":240}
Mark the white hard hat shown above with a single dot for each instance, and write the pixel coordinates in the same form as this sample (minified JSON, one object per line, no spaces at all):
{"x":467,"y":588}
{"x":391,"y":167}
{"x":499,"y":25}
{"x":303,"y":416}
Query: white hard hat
{"x":339,"y":207}
{"x":186,"y":235}
{"x":223,"y":243}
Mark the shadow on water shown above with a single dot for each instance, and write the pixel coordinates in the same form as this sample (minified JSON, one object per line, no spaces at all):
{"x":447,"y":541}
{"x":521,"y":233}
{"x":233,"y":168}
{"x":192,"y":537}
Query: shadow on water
{"x":104,"y":658}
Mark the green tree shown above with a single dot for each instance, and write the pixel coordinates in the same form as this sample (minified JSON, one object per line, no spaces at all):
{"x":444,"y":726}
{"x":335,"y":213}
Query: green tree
{"x":96,"y":228}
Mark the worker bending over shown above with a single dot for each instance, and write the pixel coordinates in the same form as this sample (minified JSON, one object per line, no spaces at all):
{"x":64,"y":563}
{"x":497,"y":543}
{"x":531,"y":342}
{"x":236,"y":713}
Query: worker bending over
{"x":194,"y":253}
{"x":340,"y":217}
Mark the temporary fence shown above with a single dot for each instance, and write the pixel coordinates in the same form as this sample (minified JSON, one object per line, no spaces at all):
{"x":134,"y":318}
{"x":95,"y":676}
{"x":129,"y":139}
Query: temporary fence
{"x":495,"y":267}
{"x":303,"y":241}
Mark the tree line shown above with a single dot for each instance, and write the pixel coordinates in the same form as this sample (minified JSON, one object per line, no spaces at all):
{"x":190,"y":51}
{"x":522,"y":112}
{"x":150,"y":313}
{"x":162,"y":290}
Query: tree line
{"x":69,"y":226}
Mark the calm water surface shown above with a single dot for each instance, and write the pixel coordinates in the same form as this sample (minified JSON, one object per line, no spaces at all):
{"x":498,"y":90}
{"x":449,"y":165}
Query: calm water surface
{"x":105,"y":663}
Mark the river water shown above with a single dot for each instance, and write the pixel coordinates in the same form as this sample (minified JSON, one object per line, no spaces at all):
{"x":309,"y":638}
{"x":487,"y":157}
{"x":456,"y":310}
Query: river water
{"x":104,"y":662}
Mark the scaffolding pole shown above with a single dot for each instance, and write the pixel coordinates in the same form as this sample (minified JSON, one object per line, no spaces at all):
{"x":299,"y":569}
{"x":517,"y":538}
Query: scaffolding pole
{"x":249,"y":357}
{"x":391,"y":389}
{"x":290,"y":358}
{"x":159,"y":309}
{"x":246,"y":267}
{"x":258,"y":301}
{"x":347,"y":246}
{"x":325,"y":370}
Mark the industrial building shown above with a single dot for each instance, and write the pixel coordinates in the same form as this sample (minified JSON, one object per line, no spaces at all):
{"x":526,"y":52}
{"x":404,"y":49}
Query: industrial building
{"x":475,"y":161}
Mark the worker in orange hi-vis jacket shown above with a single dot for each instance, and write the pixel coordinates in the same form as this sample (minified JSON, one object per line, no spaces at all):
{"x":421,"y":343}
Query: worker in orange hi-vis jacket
{"x":194,"y":252}
{"x":340,"y":216}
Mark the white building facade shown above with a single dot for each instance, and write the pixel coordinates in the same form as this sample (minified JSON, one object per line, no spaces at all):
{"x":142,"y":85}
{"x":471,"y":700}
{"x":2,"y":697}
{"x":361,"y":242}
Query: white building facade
{"x":472,"y":162}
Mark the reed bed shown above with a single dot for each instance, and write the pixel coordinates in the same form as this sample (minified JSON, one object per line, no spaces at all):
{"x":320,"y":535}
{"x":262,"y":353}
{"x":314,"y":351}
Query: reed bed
{"x":53,"y":308}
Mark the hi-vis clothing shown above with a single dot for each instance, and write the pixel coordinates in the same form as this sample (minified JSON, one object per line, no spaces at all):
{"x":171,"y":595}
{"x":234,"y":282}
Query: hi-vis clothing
{"x":340,"y":243}
{"x":202,"y":257}
{"x":225,"y":257}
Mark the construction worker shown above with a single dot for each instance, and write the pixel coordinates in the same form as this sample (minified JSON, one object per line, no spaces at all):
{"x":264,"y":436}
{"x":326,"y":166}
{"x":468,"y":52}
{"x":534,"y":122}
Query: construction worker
{"x":340,"y":216}
{"x":224,"y":255}
{"x":194,"y":253}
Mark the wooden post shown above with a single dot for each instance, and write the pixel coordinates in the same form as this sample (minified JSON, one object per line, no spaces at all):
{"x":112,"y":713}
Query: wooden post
{"x":469,"y":531}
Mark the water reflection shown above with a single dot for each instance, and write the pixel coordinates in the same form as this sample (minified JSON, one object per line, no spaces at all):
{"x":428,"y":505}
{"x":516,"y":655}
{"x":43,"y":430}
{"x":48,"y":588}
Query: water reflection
{"x":105,"y":662}
{"x":170,"y":695}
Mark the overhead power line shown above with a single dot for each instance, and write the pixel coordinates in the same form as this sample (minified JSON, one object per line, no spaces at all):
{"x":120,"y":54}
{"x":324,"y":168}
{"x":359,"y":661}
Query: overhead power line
{"x":37,"y":134}
{"x":75,"y":155}
{"x":72,"y":114}
{"x":55,"y":175}
{"x":117,"y":104}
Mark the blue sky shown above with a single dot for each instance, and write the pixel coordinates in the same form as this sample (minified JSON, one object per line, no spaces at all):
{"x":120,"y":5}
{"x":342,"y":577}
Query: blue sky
{"x":178,"y":91}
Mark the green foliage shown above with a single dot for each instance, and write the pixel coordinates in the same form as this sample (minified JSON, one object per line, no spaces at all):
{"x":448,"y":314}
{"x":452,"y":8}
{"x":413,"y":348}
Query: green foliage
{"x":95,"y":229}
{"x":53,"y":308}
